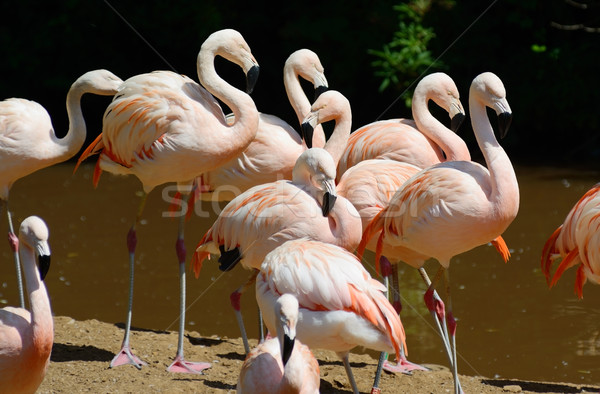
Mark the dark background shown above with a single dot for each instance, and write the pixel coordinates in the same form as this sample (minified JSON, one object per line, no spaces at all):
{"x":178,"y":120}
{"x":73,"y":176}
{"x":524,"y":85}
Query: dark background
{"x":553,"y":92}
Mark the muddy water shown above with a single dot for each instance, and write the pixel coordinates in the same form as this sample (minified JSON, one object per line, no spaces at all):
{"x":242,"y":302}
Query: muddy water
{"x":509,"y":324}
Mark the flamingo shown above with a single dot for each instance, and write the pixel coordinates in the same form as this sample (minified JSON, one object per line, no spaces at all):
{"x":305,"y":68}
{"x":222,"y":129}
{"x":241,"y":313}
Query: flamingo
{"x":341,"y":306}
{"x":273,"y":152}
{"x":28,"y":142}
{"x":265,"y":216}
{"x":282,"y":364}
{"x":26,"y":337}
{"x":452,"y":207}
{"x":576,"y":242}
{"x":421,"y":142}
{"x":164,"y":127}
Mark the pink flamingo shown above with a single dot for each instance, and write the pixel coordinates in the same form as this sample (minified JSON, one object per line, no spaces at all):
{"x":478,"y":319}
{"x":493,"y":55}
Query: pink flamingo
{"x":26,"y":337}
{"x":341,"y":306}
{"x":576,"y":241}
{"x":282,"y":364}
{"x":265,"y":216}
{"x":452,"y":207}
{"x":28,"y":142}
{"x":421,"y":142}
{"x":163,"y":127}
{"x":273,"y":152}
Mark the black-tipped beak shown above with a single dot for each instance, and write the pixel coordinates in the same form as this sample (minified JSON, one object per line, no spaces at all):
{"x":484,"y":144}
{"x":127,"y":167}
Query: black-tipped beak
{"x":307,"y":134}
{"x":504,"y":120}
{"x":456,"y":121}
{"x":288,"y":347}
{"x":228,"y":258}
{"x":43,"y":265}
{"x":251,"y":79}
{"x":319,"y":90}
{"x":328,"y":203}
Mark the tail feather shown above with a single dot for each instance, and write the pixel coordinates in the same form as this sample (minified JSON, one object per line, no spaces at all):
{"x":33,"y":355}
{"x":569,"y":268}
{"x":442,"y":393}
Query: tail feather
{"x":547,"y":252}
{"x":96,"y":146}
{"x":201,"y":253}
{"x":580,"y":280}
{"x":502,"y":248}
{"x":570,"y":260}
{"x":372,"y":228}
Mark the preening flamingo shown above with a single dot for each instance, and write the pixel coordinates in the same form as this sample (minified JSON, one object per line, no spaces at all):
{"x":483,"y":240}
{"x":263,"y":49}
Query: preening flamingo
{"x":265,"y":216}
{"x":272,"y":154}
{"x":422,"y":141}
{"x":452,"y":207}
{"x":281,"y":364}
{"x":164,"y":127}
{"x":341,"y":306}
{"x":26,"y":337}
{"x":576,"y":242}
{"x":28,"y":142}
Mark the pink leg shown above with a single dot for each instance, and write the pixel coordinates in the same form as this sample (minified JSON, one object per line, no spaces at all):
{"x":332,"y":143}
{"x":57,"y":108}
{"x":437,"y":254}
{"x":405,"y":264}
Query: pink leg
{"x":13,"y":241}
{"x":235,"y":299}
{"x":180,"y":364}
{"x":125,"y":355}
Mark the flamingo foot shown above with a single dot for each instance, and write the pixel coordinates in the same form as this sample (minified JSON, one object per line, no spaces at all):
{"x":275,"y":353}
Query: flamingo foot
{"x":180,"y":365}
{"x":126,"y":356}
{"x":403,"y":366}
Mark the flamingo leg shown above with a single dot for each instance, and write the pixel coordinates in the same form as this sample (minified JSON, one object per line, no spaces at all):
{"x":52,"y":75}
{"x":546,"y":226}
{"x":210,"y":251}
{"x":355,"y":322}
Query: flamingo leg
{"x":452,"y":332}
{"x":235,"y":299}
{"x":13,"y":241}
{"x":441,"y":325}
{"x":437,"y":309}
{"x":180,"y":364}
{"x":403,"y":365}
{"x":346,"y":360}
{"x":125,"y":355}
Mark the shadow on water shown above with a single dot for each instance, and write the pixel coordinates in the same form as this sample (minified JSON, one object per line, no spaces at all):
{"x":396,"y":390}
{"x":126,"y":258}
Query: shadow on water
{"x":510,"y":325}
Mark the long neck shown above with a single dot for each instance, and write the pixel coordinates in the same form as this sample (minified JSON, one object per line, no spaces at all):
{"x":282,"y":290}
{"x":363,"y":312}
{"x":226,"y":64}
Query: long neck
{"x":505,"y":190}
{"x":72,"y":142}
{"x":339,"y":137}
{"x":41,"y":315}
{"x":453,"y":146}
{"x":300,"y":103}
{"x":245,"y":126}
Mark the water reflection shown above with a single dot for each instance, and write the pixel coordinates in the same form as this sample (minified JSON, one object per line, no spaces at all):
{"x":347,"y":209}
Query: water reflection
{"x":509,"y":324}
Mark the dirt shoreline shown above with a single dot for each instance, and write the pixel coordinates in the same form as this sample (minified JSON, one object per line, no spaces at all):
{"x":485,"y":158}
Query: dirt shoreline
{"x":83,"y":349}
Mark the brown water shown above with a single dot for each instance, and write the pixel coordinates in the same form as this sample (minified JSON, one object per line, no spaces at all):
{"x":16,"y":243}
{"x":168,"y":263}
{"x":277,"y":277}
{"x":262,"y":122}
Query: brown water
{"x":509,"y":324}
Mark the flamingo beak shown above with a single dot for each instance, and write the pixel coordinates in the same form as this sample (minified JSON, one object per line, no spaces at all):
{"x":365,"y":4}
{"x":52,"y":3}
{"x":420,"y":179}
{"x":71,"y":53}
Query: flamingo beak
{"x":328,"y":198}
{"x":308,"y":128}
{"x":228,"y":258}
{"x":43,"y":265}
{"x":320,"y":90}
{"x":504,"y":120}
{"x":252,"y":78}
{"x":456,"y":121}
{"x":288,"y":347}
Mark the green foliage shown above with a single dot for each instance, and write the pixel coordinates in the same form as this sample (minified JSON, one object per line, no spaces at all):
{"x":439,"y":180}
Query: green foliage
{"x":402,"y":61}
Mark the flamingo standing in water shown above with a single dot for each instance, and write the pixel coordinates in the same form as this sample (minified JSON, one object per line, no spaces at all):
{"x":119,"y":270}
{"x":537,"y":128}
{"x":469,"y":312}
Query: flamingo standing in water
{"x":576,"y":242}
{"x":265,"y":216}
{"x":341,"y":306}
{"x":273,"y":152}
{"x":452,"y":207}
{"x":282,"y":364}
{"x":164,"y":127}
{"x":28,"y":142}
{"x":422,"y":141}
{"x":26,"y":337}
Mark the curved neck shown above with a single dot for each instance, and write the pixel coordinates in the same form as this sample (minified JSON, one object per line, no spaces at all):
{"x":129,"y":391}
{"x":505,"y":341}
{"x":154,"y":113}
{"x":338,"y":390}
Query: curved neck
{"x":503,"y":180}
{"x":339,"y":137}
{"x":72,"y":142}
{"x":453,"y":146}
{"x":39,"y":304}
{"x":300,"y":103}
{"x":244,"y":128}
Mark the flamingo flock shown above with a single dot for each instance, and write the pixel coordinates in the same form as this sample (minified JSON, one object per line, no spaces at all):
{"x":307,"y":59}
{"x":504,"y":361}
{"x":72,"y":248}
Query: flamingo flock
{"x":301,"y":209}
